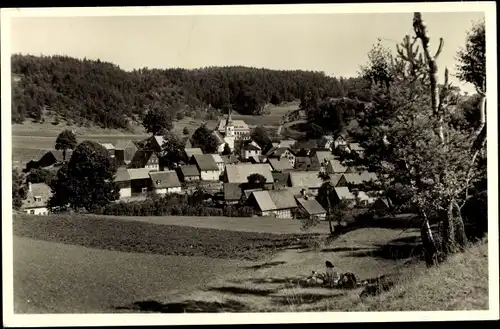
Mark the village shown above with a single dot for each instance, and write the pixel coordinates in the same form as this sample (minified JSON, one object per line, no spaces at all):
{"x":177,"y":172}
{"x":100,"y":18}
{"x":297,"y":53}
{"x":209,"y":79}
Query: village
{"x":293,"y":172}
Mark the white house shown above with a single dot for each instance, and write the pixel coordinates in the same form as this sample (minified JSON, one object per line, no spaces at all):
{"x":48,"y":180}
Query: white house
{"x":209,"y":171}
{"x":219,"y":162}
{"x":239,"y":128}
{"x":36,"y":200}
{"x":165,"y":182}
{"x":250,"y":150}
{"x":238,"y":173}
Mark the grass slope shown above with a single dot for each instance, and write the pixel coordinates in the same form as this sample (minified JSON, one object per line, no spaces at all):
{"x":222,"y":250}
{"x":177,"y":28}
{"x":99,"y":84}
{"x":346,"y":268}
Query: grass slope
{"x":142,"y":237}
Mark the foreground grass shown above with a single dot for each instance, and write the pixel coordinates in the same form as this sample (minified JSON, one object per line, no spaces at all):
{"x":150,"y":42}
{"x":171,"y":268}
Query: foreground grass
{"x":461,"y":283}
{"x":142,"y":237}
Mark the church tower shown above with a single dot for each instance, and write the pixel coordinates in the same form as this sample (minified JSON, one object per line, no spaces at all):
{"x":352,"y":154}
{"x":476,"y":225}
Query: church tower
{"x":229,"y":125}
{"x":229,"y":137}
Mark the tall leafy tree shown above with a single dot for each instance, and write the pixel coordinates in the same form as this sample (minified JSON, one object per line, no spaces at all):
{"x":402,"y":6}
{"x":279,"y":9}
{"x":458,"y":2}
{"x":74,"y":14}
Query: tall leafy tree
{"x":157,"y":121}
{"x":261,"y":136}
{"x":18,"y":189}
{"x":204,"y":139}
{"x":173,"y":148}
{"x":66,"y":140}
{"x":86,"y":181}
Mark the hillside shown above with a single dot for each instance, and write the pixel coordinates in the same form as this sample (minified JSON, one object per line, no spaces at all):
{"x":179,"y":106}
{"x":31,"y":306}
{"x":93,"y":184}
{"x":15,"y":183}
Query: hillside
{"x":95,"y":93}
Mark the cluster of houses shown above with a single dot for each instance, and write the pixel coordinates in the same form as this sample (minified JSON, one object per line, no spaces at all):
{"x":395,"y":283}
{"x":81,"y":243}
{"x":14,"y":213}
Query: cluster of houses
{"x":291,"y":170}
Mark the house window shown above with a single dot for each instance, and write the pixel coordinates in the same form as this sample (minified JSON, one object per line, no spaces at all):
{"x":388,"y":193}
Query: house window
{"x":38,"y":199}
{"x":144,"y":190}
{"x":32,"y":212}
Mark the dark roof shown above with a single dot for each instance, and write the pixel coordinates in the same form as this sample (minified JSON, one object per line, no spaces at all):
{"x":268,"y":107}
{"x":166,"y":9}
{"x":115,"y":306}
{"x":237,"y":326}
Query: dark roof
{"x":232,"y":191}
{"x":141,"y":158}
{"x":281,"y":178}
{"x":205,"y":162}
{"x":307,"y":144}
{"x":58,"y":154}
{"x":164,"y":179}
{"x":278,"y":151}
{"x":251,"y":147}
{"x":190,"y":170}
{"x":230,"y":159}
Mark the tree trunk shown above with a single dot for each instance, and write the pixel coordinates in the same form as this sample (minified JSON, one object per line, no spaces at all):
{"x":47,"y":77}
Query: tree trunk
{"x":64,"y":155}
{"x":449,"y":245}
{"x":328,"y":214}
{"x":482,"y":114}
{"x":430,"y":249}
{"x":460,"y":236}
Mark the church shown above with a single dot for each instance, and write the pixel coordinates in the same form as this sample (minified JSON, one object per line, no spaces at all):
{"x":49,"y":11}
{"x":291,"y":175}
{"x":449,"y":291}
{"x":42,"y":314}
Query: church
{"x":228,"y":131}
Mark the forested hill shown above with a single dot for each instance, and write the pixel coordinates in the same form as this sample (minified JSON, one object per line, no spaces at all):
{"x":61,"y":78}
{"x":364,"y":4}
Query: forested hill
{"x":99,"y":93}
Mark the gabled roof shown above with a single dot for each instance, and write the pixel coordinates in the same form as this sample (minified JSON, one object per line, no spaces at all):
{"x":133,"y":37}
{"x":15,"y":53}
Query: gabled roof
{"x":164,"y":179}
{"x":38,"y":190}
{"x":219,"y":137}
{"x":122,"y":175}
{"x":287,"y":142}
{"x":190,"y":170}
{"x":280,"y":164}
{"x":191,"y":151}
{"x":238,"y":173}
{"x":311,"y":206}
{"x":344,"y":193}
{"x":108,"y":146}
{"x":282,"y":199}
{"x":217,"y":158}
{"x":365,"y":197}
{"x":335,"y":178}
{"x":57,"y":154}
{"x":123,"y":144}
{"x":205,"y":162}
{"x":278,"y":151}
{"x":322,"y":156}
{"x":251,"y":147}
{"x":334,"y":166}
{"x":308,"y":179}
{"x":280,"y":178}
{"x":138,"y":173}
{"x":141,"y":158}
{"x":232,"y":191}
{"x":274,"y":200}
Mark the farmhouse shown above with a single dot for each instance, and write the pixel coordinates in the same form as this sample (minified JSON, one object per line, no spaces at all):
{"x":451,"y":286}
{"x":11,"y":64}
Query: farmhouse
{"x":249,"y":150}
{"x":125,"y":151}
{"x":310,"y":207}
{"x":219,"y":162}
{"x":306,"y":179}
{"x":361,"y":177}
{"x":284,"y":153}
{"x":192,"y":151}
{"x":287,"y":143}
{"x":326,"y":142}
{"x":140,"y":182}
{"x":145,"y":159}
{"x":355,"y":147}
{"x":321,"y":157}
{"x":122,"y":179}
{"x":110,"y":148}
{"x":339,"y":141}
{"x":303,"y":163}
{"x":343,"y":193}
{"x":153,"y":143}
{"x":280,"y":165}
{"x":232,"y":193}
{"x":165,"y":182}
{"x":338,"y":180}
{"x":382,"y":204}
{"x":230,"y":159}
{"x":209,"y":171}
{"x":189,"y":173}
{"x":36,"y":199}
{"x":278,"y":203}
{"x":239,"y":173}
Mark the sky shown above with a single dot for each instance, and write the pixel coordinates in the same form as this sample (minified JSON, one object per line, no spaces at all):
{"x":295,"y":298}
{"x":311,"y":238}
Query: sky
{"x":336,"y":44}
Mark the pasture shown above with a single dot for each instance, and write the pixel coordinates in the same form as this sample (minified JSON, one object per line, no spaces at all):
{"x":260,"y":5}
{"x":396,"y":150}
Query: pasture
{"x":176,"y":264}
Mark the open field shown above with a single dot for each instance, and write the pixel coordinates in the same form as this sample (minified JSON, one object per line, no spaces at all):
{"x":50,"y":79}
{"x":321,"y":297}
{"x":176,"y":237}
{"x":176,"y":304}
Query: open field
{"x":154,"y":264}
{"x":29,"y":139}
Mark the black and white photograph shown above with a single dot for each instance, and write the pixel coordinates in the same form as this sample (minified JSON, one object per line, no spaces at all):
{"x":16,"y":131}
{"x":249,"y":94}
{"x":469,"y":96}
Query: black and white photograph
{"x":281,"y":160}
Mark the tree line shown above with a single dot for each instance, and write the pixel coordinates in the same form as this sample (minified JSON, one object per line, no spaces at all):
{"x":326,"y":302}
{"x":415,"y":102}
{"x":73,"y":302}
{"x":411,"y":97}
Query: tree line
{"x":83,"y":91}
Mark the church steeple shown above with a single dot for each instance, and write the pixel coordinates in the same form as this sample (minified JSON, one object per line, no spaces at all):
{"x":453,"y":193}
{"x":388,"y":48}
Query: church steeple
{"x":229,"y":124}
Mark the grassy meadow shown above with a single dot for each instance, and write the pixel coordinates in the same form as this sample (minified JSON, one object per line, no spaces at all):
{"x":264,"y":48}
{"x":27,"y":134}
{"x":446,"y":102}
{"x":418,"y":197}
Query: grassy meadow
{"x":175,"y":264}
